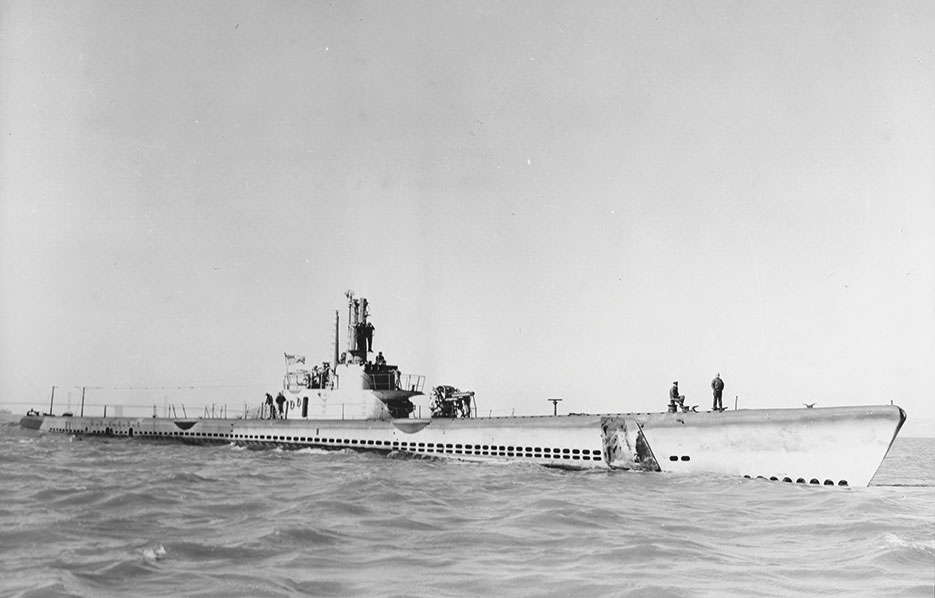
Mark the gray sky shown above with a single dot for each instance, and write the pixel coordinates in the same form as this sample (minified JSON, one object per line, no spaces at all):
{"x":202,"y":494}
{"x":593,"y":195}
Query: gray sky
{"x":540,"y":199}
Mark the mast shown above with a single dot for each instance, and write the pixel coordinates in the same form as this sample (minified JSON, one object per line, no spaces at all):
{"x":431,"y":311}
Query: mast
{"x":353,"y":312}
{"x":337,"y":319}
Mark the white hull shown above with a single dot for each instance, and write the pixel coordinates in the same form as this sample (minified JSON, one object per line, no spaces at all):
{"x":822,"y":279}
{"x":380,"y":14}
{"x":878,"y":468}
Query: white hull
{"x":839,"y":445}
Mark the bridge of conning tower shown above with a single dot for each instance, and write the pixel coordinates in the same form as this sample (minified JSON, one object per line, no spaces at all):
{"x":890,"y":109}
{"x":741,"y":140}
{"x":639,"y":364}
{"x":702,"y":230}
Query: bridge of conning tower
{"x":390,"y":385}
{"x":379,"y":374}
{"x":355,"y":378}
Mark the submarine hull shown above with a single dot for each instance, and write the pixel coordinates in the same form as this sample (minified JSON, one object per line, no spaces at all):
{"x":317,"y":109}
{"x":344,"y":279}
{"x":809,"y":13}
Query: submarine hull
{"x":828,"y":446}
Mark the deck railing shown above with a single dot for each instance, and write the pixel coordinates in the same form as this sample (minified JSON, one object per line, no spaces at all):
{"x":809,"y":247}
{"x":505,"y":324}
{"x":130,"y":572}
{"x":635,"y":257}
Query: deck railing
{"x":396,"y":381}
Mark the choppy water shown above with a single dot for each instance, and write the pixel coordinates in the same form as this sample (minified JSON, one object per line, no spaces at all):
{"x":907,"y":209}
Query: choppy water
{"x":132,"y":518}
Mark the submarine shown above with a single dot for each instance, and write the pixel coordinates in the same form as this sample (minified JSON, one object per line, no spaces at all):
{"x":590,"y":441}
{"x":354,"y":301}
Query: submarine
{"x":352,"y":402}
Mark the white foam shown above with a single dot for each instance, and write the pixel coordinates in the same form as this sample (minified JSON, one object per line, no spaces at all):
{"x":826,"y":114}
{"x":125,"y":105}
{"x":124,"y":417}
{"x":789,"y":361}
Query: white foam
{"x":154,"y":554}
{"x":312,"y":451}
{"x":922,"y":545}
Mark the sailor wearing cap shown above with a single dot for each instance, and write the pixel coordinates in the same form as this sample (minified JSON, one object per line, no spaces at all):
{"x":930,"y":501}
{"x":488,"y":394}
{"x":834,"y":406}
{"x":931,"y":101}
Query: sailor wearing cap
{"x":675,"y":399}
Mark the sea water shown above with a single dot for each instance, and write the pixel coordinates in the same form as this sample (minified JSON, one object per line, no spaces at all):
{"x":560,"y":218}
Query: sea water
{"x":129,"y":517}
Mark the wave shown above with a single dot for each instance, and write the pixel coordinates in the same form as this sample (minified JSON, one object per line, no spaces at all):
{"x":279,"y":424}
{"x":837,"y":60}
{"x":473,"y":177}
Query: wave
{"x":187,"y":478}
{"x":926,"y":546}
{"x":303,"y":535}
{"x":137,"y":518}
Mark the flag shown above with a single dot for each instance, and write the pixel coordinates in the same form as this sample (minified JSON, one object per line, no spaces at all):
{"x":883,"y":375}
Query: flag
{"x":294,"y":359}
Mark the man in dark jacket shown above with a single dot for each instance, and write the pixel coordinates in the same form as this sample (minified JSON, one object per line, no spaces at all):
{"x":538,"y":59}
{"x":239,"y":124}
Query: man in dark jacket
{"x":717,"y":385}
{"x":280,"y":402}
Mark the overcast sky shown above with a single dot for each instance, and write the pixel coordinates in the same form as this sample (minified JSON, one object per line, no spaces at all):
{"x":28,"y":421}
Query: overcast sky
{"x":585,"y":200}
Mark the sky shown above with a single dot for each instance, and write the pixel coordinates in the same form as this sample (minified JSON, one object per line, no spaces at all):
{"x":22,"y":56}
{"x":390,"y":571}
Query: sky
{"x":576,"y":200}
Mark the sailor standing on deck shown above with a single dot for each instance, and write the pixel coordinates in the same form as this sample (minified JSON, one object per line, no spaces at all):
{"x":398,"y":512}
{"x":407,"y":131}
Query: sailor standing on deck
{"x":718,"y":386}
{"x":280,"y":402}
{"x":269,"y":406}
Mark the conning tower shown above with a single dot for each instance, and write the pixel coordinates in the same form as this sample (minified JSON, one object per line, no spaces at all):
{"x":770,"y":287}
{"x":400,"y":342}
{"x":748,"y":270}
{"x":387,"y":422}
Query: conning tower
{"x":356,"y":386}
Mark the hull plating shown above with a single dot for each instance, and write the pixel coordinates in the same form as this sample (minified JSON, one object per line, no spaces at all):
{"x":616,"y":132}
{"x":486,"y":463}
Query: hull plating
{"x":841,"y":445}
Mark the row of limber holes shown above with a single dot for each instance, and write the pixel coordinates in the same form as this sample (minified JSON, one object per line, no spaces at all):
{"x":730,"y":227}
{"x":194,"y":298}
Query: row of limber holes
{"x":801,"y":480}
{"x":773,"y":478}
{"x":458,"y":449}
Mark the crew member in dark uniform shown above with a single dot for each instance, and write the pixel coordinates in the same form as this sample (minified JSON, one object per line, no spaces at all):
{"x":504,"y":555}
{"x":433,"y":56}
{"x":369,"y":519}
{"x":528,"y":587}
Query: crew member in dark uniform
{"x":280,"y":402}
{"x":368,"y":334}
{"x":269,"y":405}
{"x":718,"y":386}
{"x":360,"y":338}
